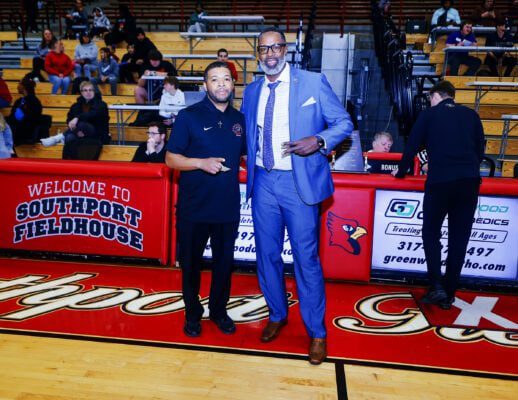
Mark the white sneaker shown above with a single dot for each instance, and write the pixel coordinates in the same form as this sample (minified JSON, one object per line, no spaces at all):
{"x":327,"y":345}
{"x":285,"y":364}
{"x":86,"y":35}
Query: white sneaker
{"x":53,"y":140}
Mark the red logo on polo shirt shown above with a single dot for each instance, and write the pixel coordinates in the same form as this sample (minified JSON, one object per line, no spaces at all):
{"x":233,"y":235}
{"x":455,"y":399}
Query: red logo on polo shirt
{"x":237,"y":129}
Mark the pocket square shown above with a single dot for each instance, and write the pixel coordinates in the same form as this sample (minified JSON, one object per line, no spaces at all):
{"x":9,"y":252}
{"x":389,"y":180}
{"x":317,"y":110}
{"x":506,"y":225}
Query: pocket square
{"x":309,"y":101}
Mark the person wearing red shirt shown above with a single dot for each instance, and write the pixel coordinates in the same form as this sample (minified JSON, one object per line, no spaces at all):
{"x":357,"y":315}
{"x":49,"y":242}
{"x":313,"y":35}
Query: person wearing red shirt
{"x":5,"y":95}
{"x":223,"y":57}
{"x":59,"y":66}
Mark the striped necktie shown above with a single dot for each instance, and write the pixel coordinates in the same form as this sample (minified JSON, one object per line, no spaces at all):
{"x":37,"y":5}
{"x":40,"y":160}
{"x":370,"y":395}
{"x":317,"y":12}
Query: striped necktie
{"x":268,"y":160}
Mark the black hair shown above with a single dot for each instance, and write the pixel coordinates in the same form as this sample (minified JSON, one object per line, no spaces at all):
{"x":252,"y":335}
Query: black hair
{"x":154,"y":55}
{"x":139,"y":31}
{"x":29,"y":85}
{"x":222,"y":50}
{"x":172,"y":80}
{"x":162,"y":129}
{"x":215,"y":64}
{"x":272,"y":29}
{"x":465,"y":22}
{"x":444,"y":89}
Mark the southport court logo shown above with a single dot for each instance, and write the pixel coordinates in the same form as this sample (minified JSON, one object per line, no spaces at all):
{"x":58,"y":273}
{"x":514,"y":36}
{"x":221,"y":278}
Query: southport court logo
{"x":345,"y":233}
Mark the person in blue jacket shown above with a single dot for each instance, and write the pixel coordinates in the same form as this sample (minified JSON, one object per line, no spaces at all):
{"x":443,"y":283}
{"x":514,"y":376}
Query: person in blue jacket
{"x":293,"y":121}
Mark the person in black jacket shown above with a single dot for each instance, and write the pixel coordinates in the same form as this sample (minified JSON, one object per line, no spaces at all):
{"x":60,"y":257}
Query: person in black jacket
{"x":142,"y":47}
{"x":124,"y":28}
{"x":128,"y":65}
{"x":500,"y":38}
{"x":154,"y":149}
{"x":25,"y":113}
{"x":88,"y":117}
{"x":453,"y":137}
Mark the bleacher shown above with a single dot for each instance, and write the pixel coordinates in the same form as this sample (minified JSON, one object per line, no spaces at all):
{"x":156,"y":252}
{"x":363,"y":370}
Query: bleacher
{"x":175,"y":14}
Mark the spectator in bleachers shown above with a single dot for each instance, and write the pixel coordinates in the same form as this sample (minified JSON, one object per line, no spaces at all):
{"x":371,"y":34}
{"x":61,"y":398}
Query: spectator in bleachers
{"x":156,"y":66}
{"x":6,"y":139}
{"x":101,"y":24}
{"x":486,"y":14}
{"x":113,"y":53}
{"x":128,"y":65}
{"x":25,"y":113}
{"x":171,"y":96}
{"x":124,"y":28}
{"x":5,"y":94}
{"x":107,"y":71}
{"x":446,"y":15}
{"x":142,"y":47}
{"x":76,"y":20}
{"x":38,"y":62}
{"x":59,"y":67}
{"x":500,"y":38}
{"x":87,"y":117}
{"x":223,"y":57}
{"x":31,"y":11}
{"x":85,"y":56}
{"x":196,"y":24}
{"x":154,"y":149}
{"x":463,"y":37}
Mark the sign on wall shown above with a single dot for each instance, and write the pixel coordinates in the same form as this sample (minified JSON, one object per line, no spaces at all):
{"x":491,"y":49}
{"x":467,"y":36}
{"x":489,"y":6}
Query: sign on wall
{"x":492,"y":251}
{"x":244,"y":248}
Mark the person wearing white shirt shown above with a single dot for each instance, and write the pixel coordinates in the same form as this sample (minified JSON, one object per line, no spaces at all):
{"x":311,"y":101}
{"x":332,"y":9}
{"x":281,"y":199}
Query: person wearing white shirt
{"x":171,"y":97}
{"x":446,"y":15}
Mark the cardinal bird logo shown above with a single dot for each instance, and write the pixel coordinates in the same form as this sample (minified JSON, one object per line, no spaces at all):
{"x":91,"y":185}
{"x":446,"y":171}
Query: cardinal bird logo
{"x":345,"y":233}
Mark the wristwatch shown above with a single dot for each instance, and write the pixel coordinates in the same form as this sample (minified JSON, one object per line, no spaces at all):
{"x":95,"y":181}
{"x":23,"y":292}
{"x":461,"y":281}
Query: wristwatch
{"x":321,"y":142}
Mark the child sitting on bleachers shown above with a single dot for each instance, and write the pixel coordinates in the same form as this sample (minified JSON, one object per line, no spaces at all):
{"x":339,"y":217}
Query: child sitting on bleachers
{"x":107,"y":71}
{"x":171,"y":97}
{"x":59,"y":67}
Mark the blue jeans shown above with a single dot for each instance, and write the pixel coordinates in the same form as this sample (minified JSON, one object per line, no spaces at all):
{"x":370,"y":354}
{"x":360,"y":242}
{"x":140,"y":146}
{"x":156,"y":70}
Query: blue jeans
{"x":112,"y":79}
{"x":86,"y":68}
{"x":58,"y":82}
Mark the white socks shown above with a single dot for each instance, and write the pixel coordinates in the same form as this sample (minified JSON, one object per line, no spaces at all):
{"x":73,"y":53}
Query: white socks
{"x":53,"y":140}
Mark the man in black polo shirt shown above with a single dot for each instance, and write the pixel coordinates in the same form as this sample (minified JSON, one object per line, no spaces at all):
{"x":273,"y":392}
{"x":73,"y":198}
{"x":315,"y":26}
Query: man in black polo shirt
{"x":206,"y":145}
{"x":454,"y":140}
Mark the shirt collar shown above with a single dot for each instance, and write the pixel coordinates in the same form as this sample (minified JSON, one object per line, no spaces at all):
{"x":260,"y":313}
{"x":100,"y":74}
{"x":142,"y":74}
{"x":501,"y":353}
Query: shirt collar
{"x":283,"y":77}
{"x":212,"y":107}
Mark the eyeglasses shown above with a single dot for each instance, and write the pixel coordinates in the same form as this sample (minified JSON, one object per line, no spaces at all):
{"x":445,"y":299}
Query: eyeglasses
{"x":276,"y":48}
{"x":87,"y":90}
{"x":153,"y":133}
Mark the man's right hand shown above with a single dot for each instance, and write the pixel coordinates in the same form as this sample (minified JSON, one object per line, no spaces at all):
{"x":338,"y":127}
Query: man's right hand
{"x":212,"y":165}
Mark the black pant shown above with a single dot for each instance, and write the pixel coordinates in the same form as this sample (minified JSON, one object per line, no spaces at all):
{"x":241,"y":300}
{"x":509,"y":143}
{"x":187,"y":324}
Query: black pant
{"x":508,"y":62}
{"x":192,"y":239}
{"x":126,"y":72}
{"x":455,"y":61}
{"x":458,"y":200}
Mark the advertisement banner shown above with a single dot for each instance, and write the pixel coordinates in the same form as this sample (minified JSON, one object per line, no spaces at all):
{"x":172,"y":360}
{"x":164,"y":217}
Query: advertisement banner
{"x":244,"y":248}
{"x":346,"y":234}
{"x":97,"y":212}
{"x":492,"y":251}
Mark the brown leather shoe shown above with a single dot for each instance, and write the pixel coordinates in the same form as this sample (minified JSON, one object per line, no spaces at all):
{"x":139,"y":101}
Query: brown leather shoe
{"x":317,"y":351}
{"x":272,"y":330}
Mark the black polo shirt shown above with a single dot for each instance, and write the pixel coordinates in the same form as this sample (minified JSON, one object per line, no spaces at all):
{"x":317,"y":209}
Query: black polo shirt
{"x":202,"y":131}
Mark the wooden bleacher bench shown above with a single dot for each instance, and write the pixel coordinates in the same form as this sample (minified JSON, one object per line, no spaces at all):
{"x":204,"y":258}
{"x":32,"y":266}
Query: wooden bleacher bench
{"x":508,"y":168}
{"x":108,"y":153}
{"x":495,"y":97}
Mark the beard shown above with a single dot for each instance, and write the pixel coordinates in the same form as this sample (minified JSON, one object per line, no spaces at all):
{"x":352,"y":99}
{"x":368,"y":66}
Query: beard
{"x":273,"y":70}
{"x":214,"y":97}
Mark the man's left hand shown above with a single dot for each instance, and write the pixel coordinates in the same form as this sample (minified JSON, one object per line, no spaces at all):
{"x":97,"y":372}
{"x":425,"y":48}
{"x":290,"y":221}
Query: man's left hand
{"x":302,"y":147}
